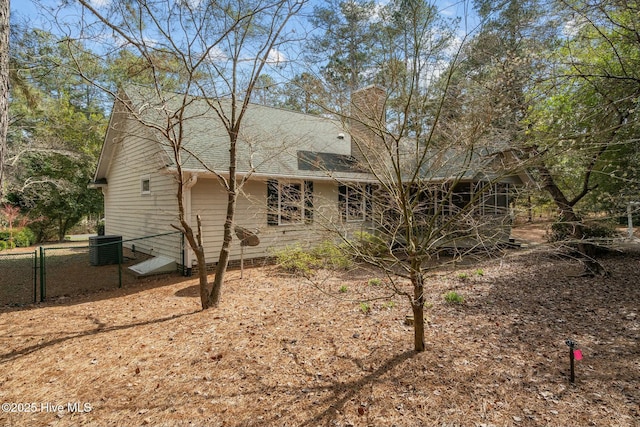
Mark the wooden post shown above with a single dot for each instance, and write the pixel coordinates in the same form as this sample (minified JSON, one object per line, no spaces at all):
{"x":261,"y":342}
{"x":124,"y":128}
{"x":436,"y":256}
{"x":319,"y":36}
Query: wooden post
{"x":241,"y":259}
{"x":571,"y":345}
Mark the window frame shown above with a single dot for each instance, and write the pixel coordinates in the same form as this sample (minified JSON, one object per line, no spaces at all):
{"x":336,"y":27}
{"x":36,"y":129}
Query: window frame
{"x":298,"y":204}
{"x":497,"y":200}
{"x":359,"y":196}
{"x":352,"y":195}
{"x":145,"y":179}
{"x":301,"y":204}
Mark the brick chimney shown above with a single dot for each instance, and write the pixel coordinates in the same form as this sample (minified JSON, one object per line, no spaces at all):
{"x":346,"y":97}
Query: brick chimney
{"x":367,"y":124}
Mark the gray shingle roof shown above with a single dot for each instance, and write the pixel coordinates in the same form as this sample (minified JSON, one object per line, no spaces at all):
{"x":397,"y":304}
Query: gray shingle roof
{"x":269,"y":138}
{"x":275,"y":142}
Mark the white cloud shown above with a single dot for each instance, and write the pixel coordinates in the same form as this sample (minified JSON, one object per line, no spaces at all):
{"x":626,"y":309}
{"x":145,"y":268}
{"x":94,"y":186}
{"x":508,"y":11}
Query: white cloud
{"x":194,"y":4}
{"x":276,"y":57}
{"x":100,"y":3}
{"x":216,"y":55}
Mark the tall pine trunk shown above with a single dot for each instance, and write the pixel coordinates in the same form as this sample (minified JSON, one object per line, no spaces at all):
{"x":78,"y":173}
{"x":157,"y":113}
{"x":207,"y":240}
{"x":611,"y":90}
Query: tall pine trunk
{"x":4,"y":87}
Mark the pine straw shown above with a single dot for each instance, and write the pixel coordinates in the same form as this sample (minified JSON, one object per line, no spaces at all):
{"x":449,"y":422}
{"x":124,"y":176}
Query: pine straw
{"x":280,"y":351}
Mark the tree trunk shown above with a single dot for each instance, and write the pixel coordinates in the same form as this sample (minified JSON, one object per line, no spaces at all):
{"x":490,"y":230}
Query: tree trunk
{"x":195,"y":242}
{"x":223,"y":258}
{"x":569,"y":216}
{"x":4,"y":87}
{"x":202,"y":267}
{"x":417,"y":306}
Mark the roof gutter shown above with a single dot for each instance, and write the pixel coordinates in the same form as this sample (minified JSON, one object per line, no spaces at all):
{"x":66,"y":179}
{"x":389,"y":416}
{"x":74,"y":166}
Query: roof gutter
{"x":264,"y":176}
{"x":98,"y":183}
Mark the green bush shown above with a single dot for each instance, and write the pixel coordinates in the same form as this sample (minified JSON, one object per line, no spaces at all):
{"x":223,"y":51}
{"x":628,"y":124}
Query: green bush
{"x":24,"y":237}
{"x":296,"y":260}
{"x":331,"y":255}
{"x":365,"y":307}
{"x":371,"y":244}
{"x":17,"y":237}
{"x":375,"y":282}
{"x":452,"y":297}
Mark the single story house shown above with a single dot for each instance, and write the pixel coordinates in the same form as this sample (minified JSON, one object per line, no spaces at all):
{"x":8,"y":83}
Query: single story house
{"x":301,"y":171}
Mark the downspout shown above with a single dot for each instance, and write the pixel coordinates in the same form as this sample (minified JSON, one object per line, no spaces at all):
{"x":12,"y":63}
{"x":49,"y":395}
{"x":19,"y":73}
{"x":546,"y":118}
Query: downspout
{"x":189,"y":256}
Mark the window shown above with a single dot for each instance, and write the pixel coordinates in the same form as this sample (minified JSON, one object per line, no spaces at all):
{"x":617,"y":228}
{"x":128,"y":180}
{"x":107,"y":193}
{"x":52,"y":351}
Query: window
{"x":461,"y":196}
{"x":289,"y":202}
{"x":495,"y":198}
{"x":145,"y":185}
{"x":352,"y":202}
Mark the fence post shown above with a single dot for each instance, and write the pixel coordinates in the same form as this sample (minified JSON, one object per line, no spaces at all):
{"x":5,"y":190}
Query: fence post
{"x":43,"y":275}
{"x":182,"y":255}
{"x":119,"y":250}
{"x":35,"y":276}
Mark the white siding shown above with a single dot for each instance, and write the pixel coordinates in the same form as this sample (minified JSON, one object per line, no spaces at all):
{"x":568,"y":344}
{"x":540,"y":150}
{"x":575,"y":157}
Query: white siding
{"x":209,"y":200}
{"x":130,"y":213}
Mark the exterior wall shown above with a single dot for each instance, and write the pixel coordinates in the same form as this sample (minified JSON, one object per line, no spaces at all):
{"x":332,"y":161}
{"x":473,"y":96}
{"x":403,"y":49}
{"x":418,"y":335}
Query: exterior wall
{"x":209,"y":201}
{"x":132,"y":214}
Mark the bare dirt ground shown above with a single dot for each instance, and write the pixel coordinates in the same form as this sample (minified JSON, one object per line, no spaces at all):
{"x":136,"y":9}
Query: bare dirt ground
{"x":281,"y":351}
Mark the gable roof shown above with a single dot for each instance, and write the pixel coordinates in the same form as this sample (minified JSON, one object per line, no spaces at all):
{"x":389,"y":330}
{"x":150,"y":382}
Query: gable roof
{"x":269,"y":141}
{"x":273,"y":142}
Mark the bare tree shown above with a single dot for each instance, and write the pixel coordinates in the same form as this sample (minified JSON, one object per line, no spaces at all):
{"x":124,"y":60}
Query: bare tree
{"x":430,"y":194}
{"x":429,"y":203}
{"x":214,"y":51}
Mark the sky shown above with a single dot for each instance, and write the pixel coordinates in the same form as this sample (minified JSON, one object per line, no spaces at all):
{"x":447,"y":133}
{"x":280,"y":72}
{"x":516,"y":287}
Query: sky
{"x":27,"y":9}
{"x":449,"y":8}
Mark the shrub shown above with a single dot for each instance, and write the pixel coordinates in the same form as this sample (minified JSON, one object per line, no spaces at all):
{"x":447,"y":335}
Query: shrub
{"x":343,"y":289}
{"x":17,"y":237}
{"x":371,"y":244}
{"x":561,"y":230}
{"x":24,"y":237}
{"x":375,"y":282}
{"x":452,"y":297}
{"x":365,"y":307}
{"x":331,"y":255}
{"x":295,"y":260}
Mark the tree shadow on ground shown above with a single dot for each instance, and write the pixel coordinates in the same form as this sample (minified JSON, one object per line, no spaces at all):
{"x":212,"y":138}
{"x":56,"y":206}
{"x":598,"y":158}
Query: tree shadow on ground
{"x":333,"y":393}
{"x":342,"y":393}
{"x":100,"y":329}
{"x":81,"y":296}
{"x":548,"y":301}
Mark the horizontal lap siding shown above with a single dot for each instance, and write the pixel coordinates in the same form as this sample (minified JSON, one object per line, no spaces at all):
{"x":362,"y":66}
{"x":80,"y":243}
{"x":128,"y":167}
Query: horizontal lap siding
{"x":131,"y":214}
{"x":209,"y":200}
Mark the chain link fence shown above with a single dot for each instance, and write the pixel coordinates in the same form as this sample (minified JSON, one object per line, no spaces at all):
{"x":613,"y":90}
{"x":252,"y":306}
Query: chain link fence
{"x":65,"y":270}
{"x":18,"y":278}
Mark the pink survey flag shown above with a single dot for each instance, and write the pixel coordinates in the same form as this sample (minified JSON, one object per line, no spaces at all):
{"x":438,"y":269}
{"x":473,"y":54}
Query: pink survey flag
{"x":577,"y":354}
